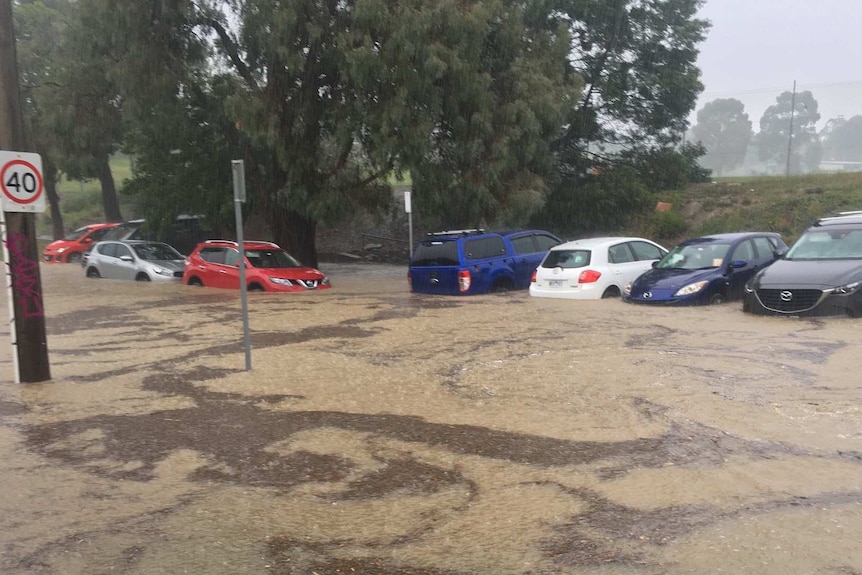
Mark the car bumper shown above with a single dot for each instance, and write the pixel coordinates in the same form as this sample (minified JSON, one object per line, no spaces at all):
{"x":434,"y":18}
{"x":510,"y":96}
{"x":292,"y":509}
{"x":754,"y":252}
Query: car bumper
{"x":586,"y":291}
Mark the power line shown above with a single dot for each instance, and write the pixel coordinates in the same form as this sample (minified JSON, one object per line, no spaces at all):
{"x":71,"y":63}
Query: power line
{"x":847,"y":83}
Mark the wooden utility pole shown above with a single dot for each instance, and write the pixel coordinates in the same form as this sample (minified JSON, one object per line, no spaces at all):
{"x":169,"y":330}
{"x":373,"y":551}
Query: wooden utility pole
{"x":28,"y":330}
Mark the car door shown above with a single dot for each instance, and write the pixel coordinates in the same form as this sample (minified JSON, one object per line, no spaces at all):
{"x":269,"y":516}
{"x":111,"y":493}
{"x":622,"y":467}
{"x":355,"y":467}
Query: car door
{"x":229,"y":272}
{"x":111,"y":263}
{"x":526,"y":260}
{"x":208,"y":265}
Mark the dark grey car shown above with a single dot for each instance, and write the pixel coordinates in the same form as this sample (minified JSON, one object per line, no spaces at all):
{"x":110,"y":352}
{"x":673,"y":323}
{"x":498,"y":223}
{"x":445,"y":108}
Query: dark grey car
{"x":821,"y":275}
{"x":135,"y":260}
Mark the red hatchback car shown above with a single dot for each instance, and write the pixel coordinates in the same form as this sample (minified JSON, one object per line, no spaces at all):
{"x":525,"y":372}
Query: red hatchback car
{"x":215,"y":263}
{"x":70,"y":248}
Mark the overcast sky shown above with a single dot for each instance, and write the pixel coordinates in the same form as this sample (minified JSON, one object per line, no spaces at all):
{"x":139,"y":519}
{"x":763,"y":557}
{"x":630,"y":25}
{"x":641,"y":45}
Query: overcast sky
{"x":757,"y":48}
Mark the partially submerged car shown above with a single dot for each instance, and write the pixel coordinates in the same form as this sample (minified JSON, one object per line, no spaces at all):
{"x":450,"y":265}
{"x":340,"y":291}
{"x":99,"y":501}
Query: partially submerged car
{"x":134,"y":260}
{"x":593,"y":268}
{"x":71,"y":248}
{"x":216,"y":263}
{"x":706,"y":270}
{"x":473,"y":261}
{"x":821,"y":275}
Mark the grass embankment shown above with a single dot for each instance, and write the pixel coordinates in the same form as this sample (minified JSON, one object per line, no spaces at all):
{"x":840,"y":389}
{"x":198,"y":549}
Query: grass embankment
{"x":778,"y":204}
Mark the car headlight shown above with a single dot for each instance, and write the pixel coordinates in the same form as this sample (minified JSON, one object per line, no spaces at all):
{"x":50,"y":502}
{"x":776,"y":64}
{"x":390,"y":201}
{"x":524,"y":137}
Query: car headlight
{"x":749,"y":288}
{"x":324,"y":281}
{"x":847,"y":289}
{"x":691,"y":289}
{"x":162,"y":271}
{"x":281,"y":281}
{"x":61,"y":250}
{"x":628,"y":289}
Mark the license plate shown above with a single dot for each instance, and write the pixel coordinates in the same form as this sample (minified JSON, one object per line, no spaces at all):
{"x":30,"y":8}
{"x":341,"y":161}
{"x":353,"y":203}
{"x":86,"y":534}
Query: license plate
{"x":556,"y":283}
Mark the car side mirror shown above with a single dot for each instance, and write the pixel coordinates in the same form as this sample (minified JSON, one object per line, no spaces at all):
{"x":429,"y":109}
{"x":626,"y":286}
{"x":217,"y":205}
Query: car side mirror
{"x":126,"y":258}
{"x":738,"y":264}
{"x":655,"y":263}
{"x":87,"y":241}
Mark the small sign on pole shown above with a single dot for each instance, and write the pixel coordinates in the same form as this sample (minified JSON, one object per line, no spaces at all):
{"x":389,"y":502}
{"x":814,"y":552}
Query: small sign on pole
{"x":409,"y":209}
{"x":21,"y":184}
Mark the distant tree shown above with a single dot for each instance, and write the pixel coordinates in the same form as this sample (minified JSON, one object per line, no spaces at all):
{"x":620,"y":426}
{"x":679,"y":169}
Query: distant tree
{"x":725,"y":131}
{"x":842,"y":139}
{"x":774,"y":139}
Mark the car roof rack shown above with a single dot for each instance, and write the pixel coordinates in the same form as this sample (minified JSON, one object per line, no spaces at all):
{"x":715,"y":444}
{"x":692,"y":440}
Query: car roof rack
{"x":466,"y":232}
{"x":235,"y":243}
{"x":842,"y":216}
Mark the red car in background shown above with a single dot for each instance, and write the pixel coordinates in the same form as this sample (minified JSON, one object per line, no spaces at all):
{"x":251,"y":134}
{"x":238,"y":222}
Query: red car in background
{"x":215,"y":263}
{"x":70,"y":248}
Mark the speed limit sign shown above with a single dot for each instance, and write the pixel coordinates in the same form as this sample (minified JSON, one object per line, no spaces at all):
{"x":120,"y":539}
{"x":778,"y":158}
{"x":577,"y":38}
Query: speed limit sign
{"x":21,"y":185}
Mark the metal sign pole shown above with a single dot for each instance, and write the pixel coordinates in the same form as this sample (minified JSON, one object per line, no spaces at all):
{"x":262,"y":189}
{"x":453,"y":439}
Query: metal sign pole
{"x":409,"y":209}
{"x":238,"y":198}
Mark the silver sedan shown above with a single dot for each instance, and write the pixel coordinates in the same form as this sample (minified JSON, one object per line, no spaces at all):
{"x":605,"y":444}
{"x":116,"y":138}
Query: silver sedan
{"x":135,"y":260}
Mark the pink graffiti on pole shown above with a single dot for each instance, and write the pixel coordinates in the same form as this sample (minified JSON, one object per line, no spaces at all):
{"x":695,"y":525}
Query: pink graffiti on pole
{"x":25,"y":275}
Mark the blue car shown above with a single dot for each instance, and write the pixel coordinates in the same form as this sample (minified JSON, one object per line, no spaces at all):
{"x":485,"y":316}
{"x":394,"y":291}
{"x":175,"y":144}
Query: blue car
{"x":706,"y":270}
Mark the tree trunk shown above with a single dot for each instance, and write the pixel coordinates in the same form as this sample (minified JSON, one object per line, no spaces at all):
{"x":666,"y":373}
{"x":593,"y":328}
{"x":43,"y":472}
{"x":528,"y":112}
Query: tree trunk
{"x":109,"y":191}
{"x":50,"y":176}
{"x":295,"y":233}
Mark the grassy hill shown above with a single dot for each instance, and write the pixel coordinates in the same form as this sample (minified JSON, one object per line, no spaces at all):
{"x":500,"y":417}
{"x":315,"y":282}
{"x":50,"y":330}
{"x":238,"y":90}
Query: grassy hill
{"x":784,"y":205}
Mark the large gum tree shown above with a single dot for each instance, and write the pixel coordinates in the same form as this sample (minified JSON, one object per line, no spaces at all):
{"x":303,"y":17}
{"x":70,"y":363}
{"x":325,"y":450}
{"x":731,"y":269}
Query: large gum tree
{"x":324,"y":99}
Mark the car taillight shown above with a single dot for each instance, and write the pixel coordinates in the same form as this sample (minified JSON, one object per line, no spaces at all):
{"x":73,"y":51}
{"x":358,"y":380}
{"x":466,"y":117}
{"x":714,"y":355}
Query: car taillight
{"x":589,"y":276}
{"x":464,"y":280}
{"x":533,"y":277}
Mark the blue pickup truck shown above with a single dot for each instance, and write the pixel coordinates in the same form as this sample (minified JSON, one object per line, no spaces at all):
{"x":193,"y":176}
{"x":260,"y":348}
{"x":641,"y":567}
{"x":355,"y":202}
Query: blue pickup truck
{"x":468,"y":262}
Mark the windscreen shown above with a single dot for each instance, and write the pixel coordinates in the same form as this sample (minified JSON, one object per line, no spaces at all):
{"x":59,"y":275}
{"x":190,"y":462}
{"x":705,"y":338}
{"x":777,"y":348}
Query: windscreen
{"x":695,"y":256}
{"x":827,"y":245}
{"x":271,"y":259}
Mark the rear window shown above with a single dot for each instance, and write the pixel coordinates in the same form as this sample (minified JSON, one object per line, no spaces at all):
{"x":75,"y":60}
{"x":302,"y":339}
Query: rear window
{"x":567,"y":259}
{"x":436,"y":253}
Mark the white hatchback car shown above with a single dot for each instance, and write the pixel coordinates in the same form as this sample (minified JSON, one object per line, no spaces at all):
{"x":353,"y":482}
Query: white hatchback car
{"x":593,"y":268}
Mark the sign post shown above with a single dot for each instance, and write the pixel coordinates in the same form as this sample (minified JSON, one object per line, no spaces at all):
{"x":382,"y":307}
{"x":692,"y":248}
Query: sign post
{"x":409,"y":209}
{"x":21,"y":195}
{"x":238,"y":168}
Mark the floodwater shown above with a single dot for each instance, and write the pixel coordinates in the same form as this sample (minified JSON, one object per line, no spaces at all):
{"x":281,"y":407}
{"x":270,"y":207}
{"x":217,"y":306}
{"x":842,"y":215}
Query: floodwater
{"x":382,"y":432}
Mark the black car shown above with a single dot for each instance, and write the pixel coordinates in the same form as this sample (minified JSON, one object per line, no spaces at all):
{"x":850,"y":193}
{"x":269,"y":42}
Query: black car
{"x":821,"y":275}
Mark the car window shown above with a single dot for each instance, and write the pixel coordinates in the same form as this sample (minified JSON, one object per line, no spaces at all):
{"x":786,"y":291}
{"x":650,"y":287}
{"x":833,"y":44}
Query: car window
{"x":744,"y":251}
{"x":645,"y":251}
{"x":524,"y":244}
{"x":545,"y":242}
{"x":109,"y":250}
{"x":567,"y":259}
{"x":483,"y":248}
{"x":436,"y":253}
{"x":99,"y":234}
{"x":213,"y":255}
{"x":231,"y":258}
{"x":695,"y":256}
{"x":122,"y":250}
{"x":271,"y":259}
{"x":156,"y":252}
{"x":620,"y":254}
{"x":765,"y":249}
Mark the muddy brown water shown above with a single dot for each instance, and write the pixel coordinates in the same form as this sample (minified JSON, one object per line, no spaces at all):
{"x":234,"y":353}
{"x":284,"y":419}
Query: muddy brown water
{"x":382,"y":432}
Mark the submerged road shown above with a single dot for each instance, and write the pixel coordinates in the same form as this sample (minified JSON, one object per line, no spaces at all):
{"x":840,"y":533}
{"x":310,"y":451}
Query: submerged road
{"x":382,"y":432}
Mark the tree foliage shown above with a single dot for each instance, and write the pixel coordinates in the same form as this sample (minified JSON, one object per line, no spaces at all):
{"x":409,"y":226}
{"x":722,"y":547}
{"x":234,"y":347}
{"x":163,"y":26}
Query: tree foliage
{"x":725,"y":131}
{"x":791,"y":114}
{"x":638,"y":59}
{"x":842,"y":140}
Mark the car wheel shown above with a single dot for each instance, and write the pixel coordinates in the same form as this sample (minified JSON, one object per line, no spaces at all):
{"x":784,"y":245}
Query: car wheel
{"x":73,"y":258}
{"x":142,"y":278}
{"x":716,"y":298}
{"x":255,"y":287}
{"x":612,"y":291}
{"x":196,"y":281}
{"x":502,"y":285}
{"x":93,"y":273}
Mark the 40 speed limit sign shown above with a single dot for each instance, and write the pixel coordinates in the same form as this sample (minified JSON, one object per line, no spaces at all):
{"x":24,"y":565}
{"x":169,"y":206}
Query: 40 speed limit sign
{"x":22,"y":188}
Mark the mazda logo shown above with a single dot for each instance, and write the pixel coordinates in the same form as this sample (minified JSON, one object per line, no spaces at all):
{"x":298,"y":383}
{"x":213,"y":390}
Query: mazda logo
{"x":786,"y":295}
{"x":647,"y":294}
